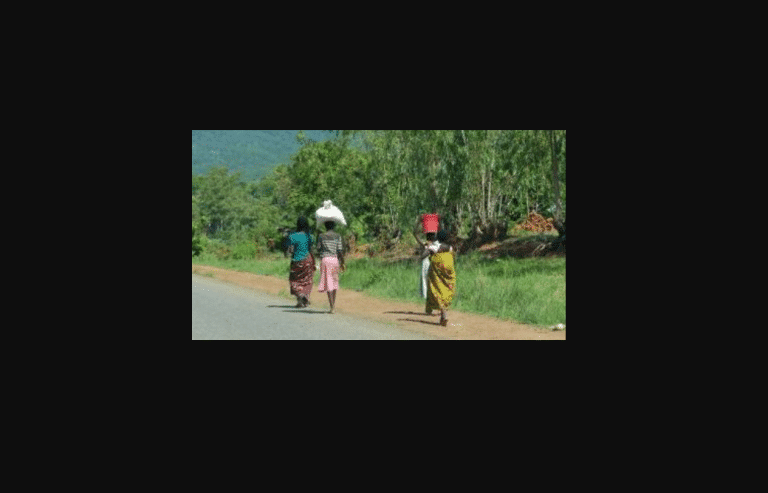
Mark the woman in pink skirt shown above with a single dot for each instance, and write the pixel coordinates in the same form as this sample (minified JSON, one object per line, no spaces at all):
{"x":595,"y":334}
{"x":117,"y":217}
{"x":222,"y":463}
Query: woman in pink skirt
{"x":331,"y":258}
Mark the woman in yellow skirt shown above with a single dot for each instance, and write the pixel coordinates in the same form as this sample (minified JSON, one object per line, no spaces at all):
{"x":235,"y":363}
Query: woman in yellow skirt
{"x":441,"y":284}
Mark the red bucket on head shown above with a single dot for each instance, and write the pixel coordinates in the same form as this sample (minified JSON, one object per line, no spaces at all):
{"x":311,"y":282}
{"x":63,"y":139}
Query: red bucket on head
{"x":429,"y":223}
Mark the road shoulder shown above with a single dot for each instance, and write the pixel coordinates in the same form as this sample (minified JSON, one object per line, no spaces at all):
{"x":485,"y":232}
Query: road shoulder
{"x":410,"y":316}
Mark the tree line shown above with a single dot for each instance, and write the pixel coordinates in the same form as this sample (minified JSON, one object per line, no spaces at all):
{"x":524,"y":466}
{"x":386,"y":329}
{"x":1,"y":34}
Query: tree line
{"x":478,"y":181}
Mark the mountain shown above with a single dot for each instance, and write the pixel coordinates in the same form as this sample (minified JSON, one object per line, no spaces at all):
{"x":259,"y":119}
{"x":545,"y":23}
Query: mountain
{"x":255,"y":153}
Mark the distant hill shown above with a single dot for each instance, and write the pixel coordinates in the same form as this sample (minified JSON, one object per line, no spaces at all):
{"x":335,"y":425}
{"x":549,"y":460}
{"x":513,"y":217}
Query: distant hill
{"x":255,"y":153}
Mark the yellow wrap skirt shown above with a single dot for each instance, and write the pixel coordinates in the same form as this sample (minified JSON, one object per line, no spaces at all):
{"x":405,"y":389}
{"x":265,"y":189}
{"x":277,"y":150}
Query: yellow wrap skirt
{"x":441,"y":284}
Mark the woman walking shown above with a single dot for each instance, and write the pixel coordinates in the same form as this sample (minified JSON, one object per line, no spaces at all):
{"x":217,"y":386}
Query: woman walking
{"x":329,"y":248}
{"x":431,"y":246}
{"x":442,"y":279}
{"x":302,"y":263}
{"x":427,"y":249}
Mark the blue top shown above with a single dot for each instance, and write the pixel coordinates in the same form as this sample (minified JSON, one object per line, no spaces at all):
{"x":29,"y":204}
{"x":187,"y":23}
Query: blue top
{"x":301,"y":243}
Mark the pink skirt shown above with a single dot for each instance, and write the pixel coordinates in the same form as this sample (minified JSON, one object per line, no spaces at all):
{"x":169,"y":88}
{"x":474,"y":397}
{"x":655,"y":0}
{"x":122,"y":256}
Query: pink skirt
{"x":329,"y":274}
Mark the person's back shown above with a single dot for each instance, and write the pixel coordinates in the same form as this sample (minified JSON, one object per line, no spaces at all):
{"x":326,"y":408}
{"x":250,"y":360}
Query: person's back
{"x":301,"y":243}
{"x":442,"y":278}
{"x":329,"y":244}
{"x":331,"y":258}
{"x":302,"y":263}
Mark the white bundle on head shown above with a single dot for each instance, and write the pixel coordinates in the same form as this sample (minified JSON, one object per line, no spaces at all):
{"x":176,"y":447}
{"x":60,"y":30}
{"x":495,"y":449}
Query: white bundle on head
{"x":329,"y":212}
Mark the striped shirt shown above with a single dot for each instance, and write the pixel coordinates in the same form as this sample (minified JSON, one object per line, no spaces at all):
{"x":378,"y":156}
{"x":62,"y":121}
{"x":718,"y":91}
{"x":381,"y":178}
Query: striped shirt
{"x":329,"y":244}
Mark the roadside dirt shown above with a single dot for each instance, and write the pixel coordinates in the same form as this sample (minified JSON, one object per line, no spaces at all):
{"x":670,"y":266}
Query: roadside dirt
{"x":461,"y":326}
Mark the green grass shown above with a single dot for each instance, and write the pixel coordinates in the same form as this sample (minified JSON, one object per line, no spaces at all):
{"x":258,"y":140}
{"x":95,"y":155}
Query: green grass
{"x":530,"y":290}
{"x":273,"y":265}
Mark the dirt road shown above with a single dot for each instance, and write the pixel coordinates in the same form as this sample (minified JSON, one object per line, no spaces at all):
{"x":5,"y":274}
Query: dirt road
{"x":461,"y":326}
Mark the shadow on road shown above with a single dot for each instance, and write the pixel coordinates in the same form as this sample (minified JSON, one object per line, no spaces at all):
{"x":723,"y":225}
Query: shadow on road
{"x":434,"y":314}
{"x":410,"y":313}
{"x":420,"y":321}
{"x":293,"y":309}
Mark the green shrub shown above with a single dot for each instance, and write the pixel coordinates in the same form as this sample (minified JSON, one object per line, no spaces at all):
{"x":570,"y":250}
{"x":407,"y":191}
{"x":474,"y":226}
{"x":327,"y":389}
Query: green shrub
{"x":244,"y":251}
{"x":218,"y":249}
{"x":196,"y":242}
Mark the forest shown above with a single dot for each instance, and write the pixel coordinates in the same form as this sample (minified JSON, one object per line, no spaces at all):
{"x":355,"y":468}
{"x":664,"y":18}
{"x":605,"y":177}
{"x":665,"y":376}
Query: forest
{"x":480,"y":182}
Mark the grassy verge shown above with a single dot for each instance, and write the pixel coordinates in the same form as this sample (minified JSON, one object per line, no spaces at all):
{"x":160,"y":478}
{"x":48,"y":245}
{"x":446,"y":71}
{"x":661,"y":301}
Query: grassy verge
{"x":530,"y":290}
{"x":273,"y":265}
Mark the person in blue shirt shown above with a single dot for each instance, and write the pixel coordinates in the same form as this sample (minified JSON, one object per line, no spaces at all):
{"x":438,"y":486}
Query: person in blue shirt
{"x":302,"y":263}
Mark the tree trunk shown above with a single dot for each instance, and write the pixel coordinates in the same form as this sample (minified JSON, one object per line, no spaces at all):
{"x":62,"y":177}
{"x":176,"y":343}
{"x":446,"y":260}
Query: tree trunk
{"x":558,"y":222}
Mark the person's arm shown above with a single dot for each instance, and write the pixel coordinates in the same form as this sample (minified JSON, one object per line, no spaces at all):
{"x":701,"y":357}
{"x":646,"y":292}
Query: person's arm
{"x":415,"y":230}
{"x":340,"y":255}
{"x":417,"y":239}
{"x":311,"y":243}
{"x":425,"y":252}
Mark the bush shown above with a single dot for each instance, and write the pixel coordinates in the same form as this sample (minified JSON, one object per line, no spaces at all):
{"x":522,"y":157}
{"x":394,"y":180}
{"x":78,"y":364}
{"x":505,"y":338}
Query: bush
{"x":244,"y":251}
{"x":197,"y":246}
{"x":218,"y":249}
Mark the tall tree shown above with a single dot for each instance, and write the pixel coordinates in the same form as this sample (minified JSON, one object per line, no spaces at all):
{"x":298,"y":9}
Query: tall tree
{"x":477,"y":180}
{"x":556,"y":142}
{"x":223,"y":199}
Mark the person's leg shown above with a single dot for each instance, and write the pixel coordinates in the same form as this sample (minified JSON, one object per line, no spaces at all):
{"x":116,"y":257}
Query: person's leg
{"x":443,"y":317}
{"x":431,"y":303}
{"x":424,"y":276}
{"x":334,"y":281}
